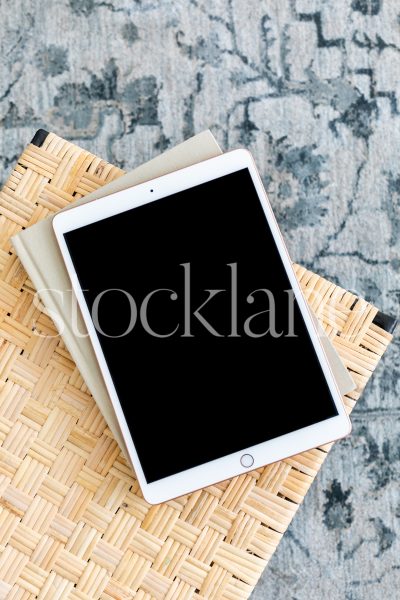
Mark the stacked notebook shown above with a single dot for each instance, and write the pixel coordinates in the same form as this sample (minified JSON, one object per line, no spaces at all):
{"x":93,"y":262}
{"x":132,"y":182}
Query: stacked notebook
{"x":38,"y":251}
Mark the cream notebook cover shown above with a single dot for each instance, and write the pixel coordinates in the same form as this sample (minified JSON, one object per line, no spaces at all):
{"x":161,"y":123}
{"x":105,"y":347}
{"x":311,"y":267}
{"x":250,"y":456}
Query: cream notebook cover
{"x":39,"y":253}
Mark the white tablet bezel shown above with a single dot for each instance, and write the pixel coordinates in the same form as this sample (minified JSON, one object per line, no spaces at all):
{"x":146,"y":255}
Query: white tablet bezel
{"x":264,"y":453}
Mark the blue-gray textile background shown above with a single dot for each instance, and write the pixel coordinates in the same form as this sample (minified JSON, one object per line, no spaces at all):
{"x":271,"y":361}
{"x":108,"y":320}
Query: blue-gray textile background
{"x":312,"y":88}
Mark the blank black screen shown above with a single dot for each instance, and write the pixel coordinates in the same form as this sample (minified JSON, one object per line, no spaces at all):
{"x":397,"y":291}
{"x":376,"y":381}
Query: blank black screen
{"x":178,"y":392}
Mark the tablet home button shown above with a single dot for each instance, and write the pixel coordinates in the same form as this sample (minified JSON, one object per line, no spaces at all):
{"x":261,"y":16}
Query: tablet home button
{"x":247,"y":460}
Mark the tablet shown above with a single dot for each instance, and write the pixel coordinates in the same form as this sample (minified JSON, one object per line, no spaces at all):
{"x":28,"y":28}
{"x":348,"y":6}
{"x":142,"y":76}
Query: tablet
{"x":204,"y":339}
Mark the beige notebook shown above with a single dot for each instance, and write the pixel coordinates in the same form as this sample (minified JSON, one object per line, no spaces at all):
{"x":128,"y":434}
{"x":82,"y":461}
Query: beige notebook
{"x":39,"y":253}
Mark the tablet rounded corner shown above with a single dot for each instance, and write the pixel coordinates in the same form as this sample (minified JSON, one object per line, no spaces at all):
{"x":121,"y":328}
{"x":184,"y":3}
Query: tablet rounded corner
{"x":55,"y":222}
{"x":148,"y":496}
{"x":346,"y":427}
{"x":245,"y":155}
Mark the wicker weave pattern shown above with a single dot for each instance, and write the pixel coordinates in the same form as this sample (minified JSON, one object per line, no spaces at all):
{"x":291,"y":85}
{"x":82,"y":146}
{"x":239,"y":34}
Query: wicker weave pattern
{"x":73,"y":523}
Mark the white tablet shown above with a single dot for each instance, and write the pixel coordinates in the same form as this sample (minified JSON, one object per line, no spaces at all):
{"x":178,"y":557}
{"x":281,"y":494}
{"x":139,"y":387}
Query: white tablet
{"x":205,"y":341}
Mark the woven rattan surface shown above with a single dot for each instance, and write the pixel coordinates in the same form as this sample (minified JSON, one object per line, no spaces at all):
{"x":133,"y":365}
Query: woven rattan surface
{"x":73,"y":522}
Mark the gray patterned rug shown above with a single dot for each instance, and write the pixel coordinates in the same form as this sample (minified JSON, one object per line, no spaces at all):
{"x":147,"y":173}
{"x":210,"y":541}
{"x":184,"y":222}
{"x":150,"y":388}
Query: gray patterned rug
{"x":312,"y":88}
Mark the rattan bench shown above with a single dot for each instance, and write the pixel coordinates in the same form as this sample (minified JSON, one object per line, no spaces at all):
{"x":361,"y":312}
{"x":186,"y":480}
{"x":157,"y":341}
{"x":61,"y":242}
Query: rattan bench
{"x":73,"y":522}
